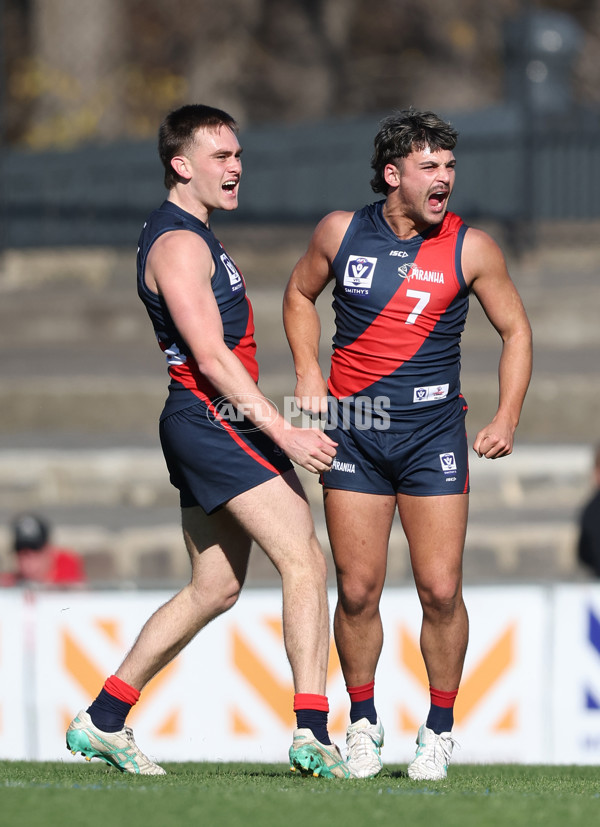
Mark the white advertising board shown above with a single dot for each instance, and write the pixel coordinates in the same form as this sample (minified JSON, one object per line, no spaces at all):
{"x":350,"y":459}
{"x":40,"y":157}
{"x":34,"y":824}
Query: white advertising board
{"x":229,"y":695}
{"x":16,"y":675}
{"x":575,"y":680}
{"x":498,"y":713}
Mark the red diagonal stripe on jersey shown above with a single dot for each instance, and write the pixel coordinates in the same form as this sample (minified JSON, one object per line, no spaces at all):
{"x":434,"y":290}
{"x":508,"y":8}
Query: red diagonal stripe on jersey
{"x":389,"y":341}
{"x":245,"y":350}
{"x":189,"y":375}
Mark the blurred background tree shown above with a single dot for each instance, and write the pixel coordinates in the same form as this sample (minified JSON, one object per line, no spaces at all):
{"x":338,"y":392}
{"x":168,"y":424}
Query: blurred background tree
{"x":77,"y":71}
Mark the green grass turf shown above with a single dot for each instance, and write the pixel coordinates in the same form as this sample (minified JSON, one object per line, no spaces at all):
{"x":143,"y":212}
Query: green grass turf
{"x":261,"y":795}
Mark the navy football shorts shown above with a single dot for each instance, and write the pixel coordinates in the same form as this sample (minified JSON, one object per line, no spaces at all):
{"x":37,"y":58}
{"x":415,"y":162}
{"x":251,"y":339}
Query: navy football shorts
{"x":430,"y":460}
{"x":210,"y":462}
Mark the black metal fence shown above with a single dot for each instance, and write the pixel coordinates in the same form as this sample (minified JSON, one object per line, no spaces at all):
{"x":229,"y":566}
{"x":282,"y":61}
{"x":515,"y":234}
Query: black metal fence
{"x":101,"y":195}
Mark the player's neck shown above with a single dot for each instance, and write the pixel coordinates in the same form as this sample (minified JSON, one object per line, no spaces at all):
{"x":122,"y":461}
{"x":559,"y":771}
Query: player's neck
{"x":401,"y":223}
{"x":194,"y":207}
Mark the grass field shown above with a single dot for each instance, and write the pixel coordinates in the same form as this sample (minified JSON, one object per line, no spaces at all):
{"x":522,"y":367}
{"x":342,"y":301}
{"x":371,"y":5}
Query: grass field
{"x":232,"y":795}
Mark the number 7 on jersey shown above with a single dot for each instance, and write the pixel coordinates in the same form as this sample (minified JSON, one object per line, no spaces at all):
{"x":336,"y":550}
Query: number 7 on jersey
{"x":423,"y":301}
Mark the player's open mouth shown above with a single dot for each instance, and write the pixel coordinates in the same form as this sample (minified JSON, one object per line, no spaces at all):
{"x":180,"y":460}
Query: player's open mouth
{"x":229,"y":186}
{"x":438,"y":199}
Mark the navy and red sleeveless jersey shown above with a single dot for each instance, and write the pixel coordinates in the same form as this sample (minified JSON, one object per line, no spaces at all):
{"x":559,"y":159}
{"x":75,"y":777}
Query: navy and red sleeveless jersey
{"x":188,"y":385}
{"x":400,"y":309}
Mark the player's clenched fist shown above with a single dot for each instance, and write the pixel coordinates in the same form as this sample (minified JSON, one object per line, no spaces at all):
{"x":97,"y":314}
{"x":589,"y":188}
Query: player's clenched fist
{"x":310,"y":448}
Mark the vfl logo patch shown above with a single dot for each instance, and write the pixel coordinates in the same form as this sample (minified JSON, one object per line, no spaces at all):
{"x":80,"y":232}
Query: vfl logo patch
{"x":430,"y":393}
{"x":235,"y":278}
{"x":359,"y":274}
{"x":448,"y":463}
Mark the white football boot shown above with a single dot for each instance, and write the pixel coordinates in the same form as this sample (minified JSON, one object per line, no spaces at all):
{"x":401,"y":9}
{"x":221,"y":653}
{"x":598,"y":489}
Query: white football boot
{"x":433,"y":755}
{"x":363,"y":744}
{"x":116,"y":748}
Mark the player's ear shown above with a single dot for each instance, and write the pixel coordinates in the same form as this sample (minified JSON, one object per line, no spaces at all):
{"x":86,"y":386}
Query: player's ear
{"x":181,"y":166}
{"x":391,"y":175}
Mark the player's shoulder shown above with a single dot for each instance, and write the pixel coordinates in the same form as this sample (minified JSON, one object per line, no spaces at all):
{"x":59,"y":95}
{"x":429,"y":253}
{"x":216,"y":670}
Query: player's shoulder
{"x":330,"y":231}
{"x":336,"y":220}
{"x":481,"y":255}
{"x":175,"y":253}
{"x":480,"y":243}
{"x":180,"y":241}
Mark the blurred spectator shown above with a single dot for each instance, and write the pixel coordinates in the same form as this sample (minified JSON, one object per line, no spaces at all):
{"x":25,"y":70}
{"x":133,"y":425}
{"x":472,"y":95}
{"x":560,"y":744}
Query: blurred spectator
{"x":588,"y":548}
{"x":38,"y":561}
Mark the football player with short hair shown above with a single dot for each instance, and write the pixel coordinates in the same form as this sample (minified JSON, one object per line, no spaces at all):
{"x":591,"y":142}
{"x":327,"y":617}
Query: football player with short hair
{"x":234,"y":474}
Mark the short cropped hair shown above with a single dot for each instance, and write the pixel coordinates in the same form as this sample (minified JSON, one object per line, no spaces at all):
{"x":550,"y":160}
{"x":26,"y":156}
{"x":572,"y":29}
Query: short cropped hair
{"x":401,"y":133}
{"x":178,"y":130}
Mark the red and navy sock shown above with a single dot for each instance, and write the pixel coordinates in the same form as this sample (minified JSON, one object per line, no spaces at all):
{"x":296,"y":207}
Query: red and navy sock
{"x":311,"y":713}
{"x":441,"y":711}
{"x":362,"y":702}
{"x":111,"y":707}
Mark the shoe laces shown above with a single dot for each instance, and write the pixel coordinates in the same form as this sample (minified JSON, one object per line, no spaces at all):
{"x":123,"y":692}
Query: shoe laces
{"x":133,"y":746}
{"x":361,"y":742}
{"x":444,"y":744}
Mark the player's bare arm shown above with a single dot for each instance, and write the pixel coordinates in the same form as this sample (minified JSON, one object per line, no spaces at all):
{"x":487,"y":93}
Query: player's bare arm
{"x":300,"y":316}
{"x":486,"y":273}
{"x":180,"y":267}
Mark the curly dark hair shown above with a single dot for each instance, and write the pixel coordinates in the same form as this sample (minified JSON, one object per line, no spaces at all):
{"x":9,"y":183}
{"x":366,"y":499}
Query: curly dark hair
{"x":401,"y":133}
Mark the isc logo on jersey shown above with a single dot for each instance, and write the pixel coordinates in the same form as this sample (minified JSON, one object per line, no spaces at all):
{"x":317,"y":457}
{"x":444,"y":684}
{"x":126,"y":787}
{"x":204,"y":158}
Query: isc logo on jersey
{"x":359,"y":274}
{"x":235,"y":278}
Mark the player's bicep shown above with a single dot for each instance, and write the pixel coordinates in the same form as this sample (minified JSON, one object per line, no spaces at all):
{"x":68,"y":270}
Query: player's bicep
{"x":486,"y":273}
{"x":310,"y":275}
{"x":182,"y":268}
{"x":314,"y":270}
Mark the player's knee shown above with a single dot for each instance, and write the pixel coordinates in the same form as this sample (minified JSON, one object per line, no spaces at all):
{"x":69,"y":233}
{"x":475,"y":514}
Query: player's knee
{"x":442,"y":597}
{"x":215,"y":599}
{"x":358,"y":597}
{"x":229,"y":599}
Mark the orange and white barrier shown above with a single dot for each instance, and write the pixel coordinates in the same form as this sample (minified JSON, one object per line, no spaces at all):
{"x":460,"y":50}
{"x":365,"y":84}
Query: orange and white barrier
{"x":530,"y":691}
